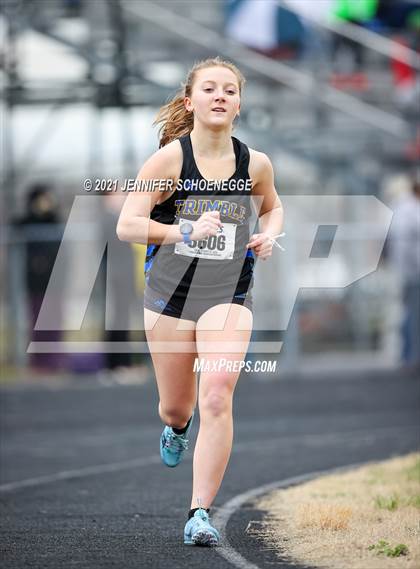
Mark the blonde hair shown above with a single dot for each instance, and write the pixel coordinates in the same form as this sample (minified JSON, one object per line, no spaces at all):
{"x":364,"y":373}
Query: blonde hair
{"x":174,"y":118}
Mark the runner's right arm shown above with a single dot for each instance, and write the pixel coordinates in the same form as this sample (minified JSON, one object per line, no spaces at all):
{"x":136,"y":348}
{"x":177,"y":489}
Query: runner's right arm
{"x":134,"y":224}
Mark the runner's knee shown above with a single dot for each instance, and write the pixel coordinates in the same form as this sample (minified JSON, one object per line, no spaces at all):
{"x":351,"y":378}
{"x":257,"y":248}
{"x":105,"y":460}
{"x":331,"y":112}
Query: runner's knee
{"x":216,"y":402}
{"x":174,"y":416}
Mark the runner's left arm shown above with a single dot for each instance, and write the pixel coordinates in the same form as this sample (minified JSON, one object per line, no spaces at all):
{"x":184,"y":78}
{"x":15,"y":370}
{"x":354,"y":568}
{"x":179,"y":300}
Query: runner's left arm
{"x":271,"y":212}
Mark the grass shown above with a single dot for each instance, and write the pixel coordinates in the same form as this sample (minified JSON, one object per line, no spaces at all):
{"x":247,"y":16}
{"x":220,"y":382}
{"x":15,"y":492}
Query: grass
{"x":383,"y":548}
{"x":393,"y":502}
{"x":367,"y":518}
{"x":413,"y":471}
{"x":324,"y":516}
{"x":387,"y":502}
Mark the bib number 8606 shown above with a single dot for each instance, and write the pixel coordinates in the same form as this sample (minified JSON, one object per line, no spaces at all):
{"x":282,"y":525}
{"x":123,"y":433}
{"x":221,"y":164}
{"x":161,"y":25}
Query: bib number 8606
{"x":213,"y":242}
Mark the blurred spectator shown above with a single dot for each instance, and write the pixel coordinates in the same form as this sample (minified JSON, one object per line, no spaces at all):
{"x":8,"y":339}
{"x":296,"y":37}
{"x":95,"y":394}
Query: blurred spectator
{"x":265,"y":27}
{"x":396,"y":14}
{"x":121,"y":284}
{"x":72,"y":8}
{"x":41,"y":231}
{"x":406,"y":81}
{"x":318,"y":11}
{"x":405,"y":76}
{"x":349,"y":54}
{"x":405,"y":254}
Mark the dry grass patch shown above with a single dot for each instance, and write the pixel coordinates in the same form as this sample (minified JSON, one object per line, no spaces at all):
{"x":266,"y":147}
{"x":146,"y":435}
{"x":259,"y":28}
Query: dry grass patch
{"x":324,"y":516}
{"x":368,"y":518}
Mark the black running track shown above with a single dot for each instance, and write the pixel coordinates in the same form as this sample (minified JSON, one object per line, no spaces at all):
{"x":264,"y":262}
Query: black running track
{"x":97,"y":496}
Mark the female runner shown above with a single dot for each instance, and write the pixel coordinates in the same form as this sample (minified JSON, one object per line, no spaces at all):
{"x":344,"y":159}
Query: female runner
{"x":199,"y":267}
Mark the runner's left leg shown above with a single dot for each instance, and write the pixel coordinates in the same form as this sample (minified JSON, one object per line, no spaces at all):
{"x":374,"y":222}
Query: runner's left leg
{"x":222,"y":333}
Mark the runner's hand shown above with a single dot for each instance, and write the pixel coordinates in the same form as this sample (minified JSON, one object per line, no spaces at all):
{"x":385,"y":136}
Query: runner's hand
{"x":262,"y":245}
{"x":207,"y":225}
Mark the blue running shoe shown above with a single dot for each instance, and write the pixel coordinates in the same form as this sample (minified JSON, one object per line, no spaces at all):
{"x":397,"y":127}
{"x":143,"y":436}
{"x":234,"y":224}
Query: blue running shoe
{"x":199,"y":531}
{"x":172,"y":446}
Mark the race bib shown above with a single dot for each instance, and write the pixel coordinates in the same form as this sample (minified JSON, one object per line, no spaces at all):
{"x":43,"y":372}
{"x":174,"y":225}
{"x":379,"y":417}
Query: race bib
{"x":218,"y":247}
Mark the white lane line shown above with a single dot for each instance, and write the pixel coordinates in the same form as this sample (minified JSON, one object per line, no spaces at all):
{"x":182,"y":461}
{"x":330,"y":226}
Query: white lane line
{"x":79,"y":473}
{"x":223,"y":514}
{"x":255,"y":445}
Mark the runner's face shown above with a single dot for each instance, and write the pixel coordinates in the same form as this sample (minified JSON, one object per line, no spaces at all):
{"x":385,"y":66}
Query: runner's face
{"x":215,"y":97}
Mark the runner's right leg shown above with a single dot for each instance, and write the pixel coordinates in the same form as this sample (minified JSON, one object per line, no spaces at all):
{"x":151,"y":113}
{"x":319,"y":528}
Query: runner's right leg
{"x":175,"y":377}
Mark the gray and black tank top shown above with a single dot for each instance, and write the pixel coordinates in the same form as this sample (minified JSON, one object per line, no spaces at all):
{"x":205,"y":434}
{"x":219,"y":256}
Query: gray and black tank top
{"x":218,"y":266}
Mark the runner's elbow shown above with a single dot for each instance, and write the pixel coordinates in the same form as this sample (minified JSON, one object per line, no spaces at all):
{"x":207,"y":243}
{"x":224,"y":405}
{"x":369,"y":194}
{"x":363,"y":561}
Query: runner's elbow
{"x":132,"y":232}
{"x":121,"y":231}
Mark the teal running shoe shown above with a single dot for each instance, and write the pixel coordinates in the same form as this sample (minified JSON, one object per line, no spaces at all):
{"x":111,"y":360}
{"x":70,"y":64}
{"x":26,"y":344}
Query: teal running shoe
{"x":172,"y":446}
{"x":199,"y":531}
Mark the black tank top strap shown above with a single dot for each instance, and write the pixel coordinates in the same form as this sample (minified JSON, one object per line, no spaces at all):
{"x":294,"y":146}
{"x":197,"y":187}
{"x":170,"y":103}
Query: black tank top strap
{"x":165,"y":212}
{"x":189,"y":166}
{"x":242,"y":159}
